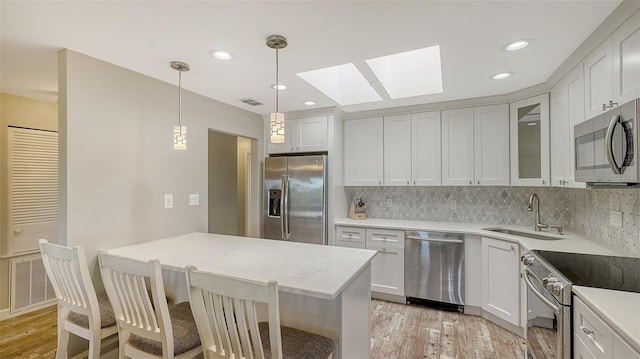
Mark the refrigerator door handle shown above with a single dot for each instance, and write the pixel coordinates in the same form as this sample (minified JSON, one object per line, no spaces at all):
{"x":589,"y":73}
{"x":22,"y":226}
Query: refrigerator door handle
{"x":284,"y":218}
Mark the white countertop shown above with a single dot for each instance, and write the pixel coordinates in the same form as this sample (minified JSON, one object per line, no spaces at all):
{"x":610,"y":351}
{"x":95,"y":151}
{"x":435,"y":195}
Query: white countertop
{"x":621,"y":310}
{"x":307,"y":269}
{"x":570,"y":242}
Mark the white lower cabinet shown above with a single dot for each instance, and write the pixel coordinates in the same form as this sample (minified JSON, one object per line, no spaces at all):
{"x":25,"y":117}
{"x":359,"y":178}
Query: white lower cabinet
{"x":501,"y":279}
{"x":593,"y":336}
{"x":387,"y":267}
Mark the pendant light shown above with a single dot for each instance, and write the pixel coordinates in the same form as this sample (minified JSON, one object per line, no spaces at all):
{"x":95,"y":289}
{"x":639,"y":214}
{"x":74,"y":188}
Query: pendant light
{"x":277,"y":118}
{"x":179,"y":132}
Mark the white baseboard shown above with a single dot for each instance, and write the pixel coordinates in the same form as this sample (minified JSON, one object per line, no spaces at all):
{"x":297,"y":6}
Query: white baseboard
{"x":4,"y":314}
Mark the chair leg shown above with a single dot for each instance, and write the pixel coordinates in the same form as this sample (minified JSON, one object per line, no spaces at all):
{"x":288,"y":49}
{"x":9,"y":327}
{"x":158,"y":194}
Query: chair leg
{"x":94,"y":347}
{"x":63,"y":343}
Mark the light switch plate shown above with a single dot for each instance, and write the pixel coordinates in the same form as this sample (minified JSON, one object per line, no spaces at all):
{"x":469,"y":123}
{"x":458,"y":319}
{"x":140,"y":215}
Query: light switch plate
{"x":615,"y":218}
{"x":389,"y":202}
{"x":194,"y":199}
{"x":453,"y":203}
{"x":168,"y":201}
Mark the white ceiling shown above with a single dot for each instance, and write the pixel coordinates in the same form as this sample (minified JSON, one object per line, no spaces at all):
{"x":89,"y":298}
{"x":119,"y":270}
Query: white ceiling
{"x":144,"y":36}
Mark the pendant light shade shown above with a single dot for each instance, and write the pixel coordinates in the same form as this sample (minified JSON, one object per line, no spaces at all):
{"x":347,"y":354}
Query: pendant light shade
{"x":179,"y":132}
{"x":277,"y":42}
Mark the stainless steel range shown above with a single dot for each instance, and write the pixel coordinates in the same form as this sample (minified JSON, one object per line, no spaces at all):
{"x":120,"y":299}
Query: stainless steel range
{"x":549,"y":277}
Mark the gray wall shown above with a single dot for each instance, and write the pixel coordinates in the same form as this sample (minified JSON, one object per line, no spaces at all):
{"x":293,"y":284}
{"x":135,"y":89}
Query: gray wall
{"x":117,"y":159}
{"x":580,"y":210}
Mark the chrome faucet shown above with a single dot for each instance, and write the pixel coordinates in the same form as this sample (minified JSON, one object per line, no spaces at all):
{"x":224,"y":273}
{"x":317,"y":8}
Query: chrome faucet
{"x":537,"y":226}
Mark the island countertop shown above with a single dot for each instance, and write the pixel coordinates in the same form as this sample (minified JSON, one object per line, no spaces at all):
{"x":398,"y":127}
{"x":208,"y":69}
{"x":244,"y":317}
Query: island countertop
{"x":306,"y":269}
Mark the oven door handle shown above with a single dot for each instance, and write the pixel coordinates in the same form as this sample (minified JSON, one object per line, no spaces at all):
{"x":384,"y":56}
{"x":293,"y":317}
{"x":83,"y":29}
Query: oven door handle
{"x":546,"y":301}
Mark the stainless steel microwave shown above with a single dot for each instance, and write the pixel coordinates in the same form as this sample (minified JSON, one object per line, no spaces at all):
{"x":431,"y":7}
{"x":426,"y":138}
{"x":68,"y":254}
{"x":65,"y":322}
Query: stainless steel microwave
{"x":606,"y":147}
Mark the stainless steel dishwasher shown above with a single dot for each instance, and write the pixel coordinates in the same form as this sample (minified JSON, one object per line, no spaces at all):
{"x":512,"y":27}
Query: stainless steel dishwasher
{"x":434,"y":269}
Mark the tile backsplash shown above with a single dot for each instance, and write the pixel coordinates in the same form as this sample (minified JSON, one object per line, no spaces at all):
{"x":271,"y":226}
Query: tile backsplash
{"x":580,"y":210}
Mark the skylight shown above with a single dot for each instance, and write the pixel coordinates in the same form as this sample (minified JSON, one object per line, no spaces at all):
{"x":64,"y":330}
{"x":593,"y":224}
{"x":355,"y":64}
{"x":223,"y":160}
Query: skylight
{"x":344,"y":84}
{"x":411,"y":73}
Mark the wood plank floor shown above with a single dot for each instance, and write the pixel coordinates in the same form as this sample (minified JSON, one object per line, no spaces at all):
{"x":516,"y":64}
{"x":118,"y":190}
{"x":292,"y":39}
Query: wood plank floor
{"x":397,"y":332}
{"x":401,"y":331}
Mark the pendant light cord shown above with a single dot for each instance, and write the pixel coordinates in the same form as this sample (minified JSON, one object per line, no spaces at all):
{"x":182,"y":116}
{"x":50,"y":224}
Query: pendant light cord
{"x":180,"y":100}
{"x":277,"y":81}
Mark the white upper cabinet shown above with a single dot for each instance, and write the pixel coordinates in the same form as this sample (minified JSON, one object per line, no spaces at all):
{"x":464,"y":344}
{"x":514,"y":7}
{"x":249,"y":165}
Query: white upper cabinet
{"x":363,"y":152}
{"x":397,"y":150}
{"x":612,"y":70}
{"x":425,"y":149}
{"x":567,"y":110}
{"x":491,"y":143}
{"x":475,"y":146}
{"x":626,"y":60}
{"x":598,"y":79}
{"x":530,"y":141}
{"x":303,"y":135}
{"x":457,"y":147}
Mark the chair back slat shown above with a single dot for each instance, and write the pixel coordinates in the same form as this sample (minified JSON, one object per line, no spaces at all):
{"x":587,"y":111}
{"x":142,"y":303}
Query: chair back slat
{"x":137,"y":309}
{"x":226,"y":317}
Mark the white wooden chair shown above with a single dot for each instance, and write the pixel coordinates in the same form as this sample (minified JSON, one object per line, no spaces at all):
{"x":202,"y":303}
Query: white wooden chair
{"x":80,"y":310}
{"x":225,"y":313}
{"x":147,"y":326}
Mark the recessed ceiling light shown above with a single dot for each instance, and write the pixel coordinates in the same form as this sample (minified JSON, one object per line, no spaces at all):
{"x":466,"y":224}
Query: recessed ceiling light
{"x":221,"y":55}
{"x":502,"y":75}
{"x":280,"y":87}
{"x":531,"y":124}
{"x":309,"y":103}
{"x":344,"y":84}
{"x":517,"y":44}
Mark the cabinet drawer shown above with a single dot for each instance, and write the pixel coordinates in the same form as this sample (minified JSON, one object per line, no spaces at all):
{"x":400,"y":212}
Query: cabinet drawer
{"x":385,"y":237}
{"x":580,"y":350}
{"x":350,"y":234}
{"x":592,"y":331}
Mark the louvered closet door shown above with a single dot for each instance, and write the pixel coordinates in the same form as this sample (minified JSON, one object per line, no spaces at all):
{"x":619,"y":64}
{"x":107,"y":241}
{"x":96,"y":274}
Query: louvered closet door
{"x":33,"y":188}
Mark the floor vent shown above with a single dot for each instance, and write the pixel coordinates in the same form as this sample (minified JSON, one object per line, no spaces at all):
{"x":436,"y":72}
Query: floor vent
{"x":251,"y":102}
{"x":30,"y":286}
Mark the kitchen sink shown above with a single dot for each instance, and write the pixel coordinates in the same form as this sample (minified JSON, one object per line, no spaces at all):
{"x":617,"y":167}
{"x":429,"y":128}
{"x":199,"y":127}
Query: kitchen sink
{"x":527,"y":234}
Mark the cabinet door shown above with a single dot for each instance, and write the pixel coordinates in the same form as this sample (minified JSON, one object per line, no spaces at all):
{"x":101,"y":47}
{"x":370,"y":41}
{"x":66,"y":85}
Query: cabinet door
{"x":457,"y":147}
{"x":501,"y":279}
{"x":491,"y":142}
{"x":598,"y":79}
{"x":289,"y":134}
{"x":626,"y":60}
{"x":567,"y":104}
{"x":530,"y":141}
{"x":397,"y":150}
{"x":622,"y":350}
{"x":387,"y":269}
{"x":311,"y":134}
{"x":363,"y":152}
{"x":426,"y":161}
{"x":580,"y":351}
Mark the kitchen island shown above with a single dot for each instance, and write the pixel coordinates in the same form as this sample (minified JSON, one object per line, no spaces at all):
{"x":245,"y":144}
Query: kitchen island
{"x":323,"y":289}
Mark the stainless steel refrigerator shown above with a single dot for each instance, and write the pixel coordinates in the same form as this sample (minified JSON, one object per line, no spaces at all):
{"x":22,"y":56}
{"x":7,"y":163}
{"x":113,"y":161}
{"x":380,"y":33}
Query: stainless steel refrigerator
{"x":295,"y":198}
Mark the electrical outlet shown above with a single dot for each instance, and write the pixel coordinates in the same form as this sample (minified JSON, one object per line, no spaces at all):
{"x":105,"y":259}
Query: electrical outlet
{"x":168,"y":201}
{"x":389,"y":202}
{"x":615,"y":218}
{"x":453,"y":203}
{"x":194,"y":199}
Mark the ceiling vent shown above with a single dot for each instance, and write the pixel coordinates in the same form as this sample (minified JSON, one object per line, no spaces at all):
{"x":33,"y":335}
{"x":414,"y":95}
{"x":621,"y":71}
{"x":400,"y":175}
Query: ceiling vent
{"x":251,"y":102}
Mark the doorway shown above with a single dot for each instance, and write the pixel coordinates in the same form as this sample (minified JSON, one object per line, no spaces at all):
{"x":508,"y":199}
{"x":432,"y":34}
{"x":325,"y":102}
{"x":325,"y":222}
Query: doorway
{"x":231,"y":181}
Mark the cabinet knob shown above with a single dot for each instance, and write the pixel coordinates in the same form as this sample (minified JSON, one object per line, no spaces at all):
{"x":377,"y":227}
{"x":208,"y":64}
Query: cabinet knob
{"x":478,"y":181}
{"x":297,"y":149}
{"x":544,"y":182}
{"x":470,"y":182}
{"x":17,"y":230}
{"x":414,"y":182}
{"x":408,"y":182}
{"x":291,"y":149}
{"x":380,"y":182}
